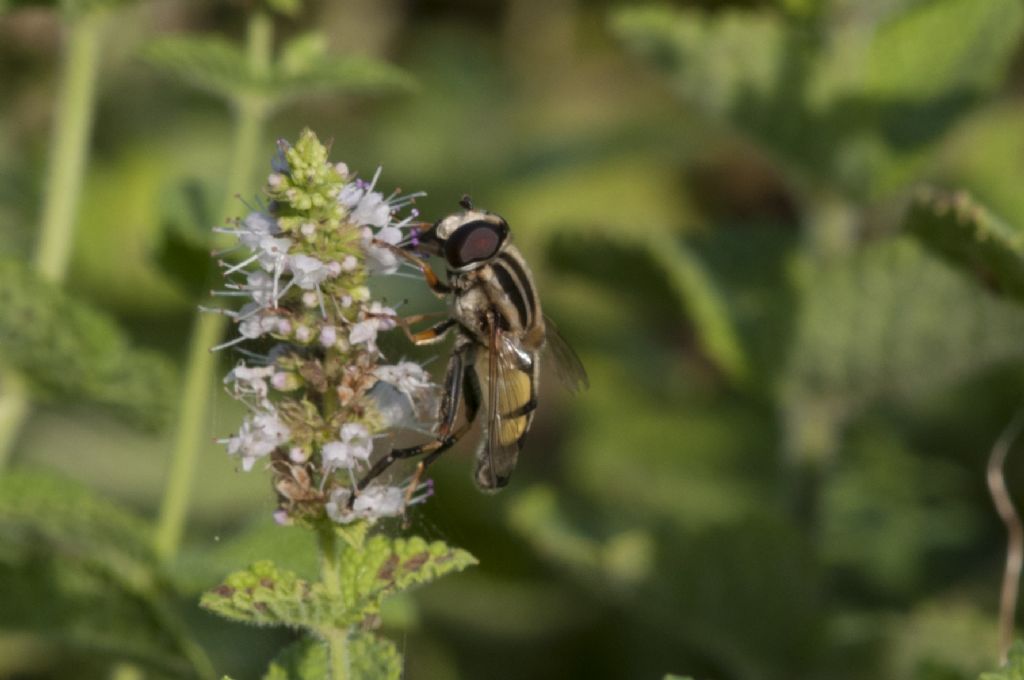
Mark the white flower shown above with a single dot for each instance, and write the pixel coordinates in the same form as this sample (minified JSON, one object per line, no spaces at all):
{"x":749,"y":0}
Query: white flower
{"x":372,"y":210}
{"x":260,"y":285}
{"x":355,"y":447}
{"x":250,"y":379}
{"x":255,"y":227}
{"x":380,"y":260}
{"x":350,"y":195}
{"x":328,"y":336}
{"x":372,"y":503}
{"x":257,"y":325}
{"x":380,"y":501}
{"x":273,"y":252}
{"x":364,"y":331}
{"x":414,"y":398}
{"x":261,"y":432}
{"x":337,"y":506}
{"x":307,"y":272}
{"x":395,"y":408}
{"x":390,"y":234}
{"x":408,"y":376}
{"x":384,"y":316}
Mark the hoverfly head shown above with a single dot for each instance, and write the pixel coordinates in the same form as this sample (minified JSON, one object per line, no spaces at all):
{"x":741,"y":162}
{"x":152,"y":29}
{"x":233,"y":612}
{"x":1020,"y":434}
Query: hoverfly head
{"x":469,"y":238}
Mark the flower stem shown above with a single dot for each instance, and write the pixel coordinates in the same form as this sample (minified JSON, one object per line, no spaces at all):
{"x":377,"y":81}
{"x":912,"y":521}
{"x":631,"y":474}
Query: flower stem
{"x":14,"y":408}
{"x":72,"y":122}
{"x":336,"y":638}
{"x":996,"y":478}
{"x":75,"y":105}
{"x":250,"y":115}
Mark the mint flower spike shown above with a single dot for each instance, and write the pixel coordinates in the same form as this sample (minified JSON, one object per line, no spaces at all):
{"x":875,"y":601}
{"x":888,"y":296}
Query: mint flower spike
{"x":322,"y":395}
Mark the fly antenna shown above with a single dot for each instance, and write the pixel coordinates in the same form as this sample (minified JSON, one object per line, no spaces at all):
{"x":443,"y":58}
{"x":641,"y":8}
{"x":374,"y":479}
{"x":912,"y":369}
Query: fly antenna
{"x":466,"y":202}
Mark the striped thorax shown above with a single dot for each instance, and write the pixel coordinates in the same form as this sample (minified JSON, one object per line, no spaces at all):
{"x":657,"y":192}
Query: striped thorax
{"x":487,"y":274}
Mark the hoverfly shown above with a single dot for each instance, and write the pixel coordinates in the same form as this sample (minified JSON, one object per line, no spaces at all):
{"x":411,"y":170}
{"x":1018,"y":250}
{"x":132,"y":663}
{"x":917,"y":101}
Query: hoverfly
{"x":500,"y":331}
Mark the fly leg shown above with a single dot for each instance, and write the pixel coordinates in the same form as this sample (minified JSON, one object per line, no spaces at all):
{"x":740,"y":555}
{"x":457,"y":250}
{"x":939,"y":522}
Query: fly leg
{"x":458,"y":365}
{"x":471,"y":395}
{"x":428,"y":336}
{"x":439,"y":287}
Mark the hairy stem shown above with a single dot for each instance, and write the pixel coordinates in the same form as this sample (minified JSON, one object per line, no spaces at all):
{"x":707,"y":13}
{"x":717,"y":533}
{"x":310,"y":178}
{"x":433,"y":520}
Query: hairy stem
{"x":71,"y":125}
{"x":75,"y":105}
{"x":14,"y":408}
{"x":336,"y":638}
{"x":1015,"y":532}
{"x":250,"y":116}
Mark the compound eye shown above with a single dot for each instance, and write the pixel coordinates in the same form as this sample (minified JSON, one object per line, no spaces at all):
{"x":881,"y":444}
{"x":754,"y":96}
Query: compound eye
{"x":473,"y":242}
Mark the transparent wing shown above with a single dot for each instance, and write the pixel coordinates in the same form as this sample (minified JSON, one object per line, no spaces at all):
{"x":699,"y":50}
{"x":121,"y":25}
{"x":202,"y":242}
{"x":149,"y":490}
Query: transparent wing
{"x":568,"y":366}
{"x":508,"y":376}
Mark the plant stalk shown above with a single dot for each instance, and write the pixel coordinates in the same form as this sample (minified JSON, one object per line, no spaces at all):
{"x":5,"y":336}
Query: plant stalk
{"x":75,"y":105}
{"x":336,"y":638}
{"x":14,"y":409}
{"x":72,"y":123}
{"x":1014,"y":532}
{"x":250,"y":115}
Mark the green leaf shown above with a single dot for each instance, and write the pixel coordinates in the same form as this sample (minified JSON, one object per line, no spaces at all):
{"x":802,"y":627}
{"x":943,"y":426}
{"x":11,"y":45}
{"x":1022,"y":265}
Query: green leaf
{"x":985,"y":156}
{"x":702,"y":300}
{"x":288,"y":8}
{"x":288,"y":547}
{"x":966,"y":233}
{"x":858,"y":105}
{"x":369,"y":657}
{"x":350,"y":74}
{"x":303,"y":52}
{"x":748,"y":69}
{"x":302,"y":660}
{"x":622,"y":560}
{"x":70,"y":350}
{"x":869,"y":328}
{"x":945,"y":637}
{"x":707,"y":480}
{"x":1013,"y":669}
{"x":389,"y":565}
{"x":79,"y":570}
{"x":210,"y":63}
{"x":218,"y":66}
{"x":715,"y":60}
{"x":880,"y":530}
{"x":374,"y":658}
{"x":73,"y":8}
{"x":266,"y":595}
{"x":902,"y":63}
{"x":80,"y":609}
{"x":184,"y":252}
{"x":76,"y":522}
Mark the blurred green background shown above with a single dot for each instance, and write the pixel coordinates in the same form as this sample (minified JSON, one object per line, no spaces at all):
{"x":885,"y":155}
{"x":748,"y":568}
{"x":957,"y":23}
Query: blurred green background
{"x":785,"y":237}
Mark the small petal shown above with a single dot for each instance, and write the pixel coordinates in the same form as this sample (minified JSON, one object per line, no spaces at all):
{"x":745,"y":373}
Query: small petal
{"x":307,"y":272}
{"x":364,"y":331}
{"x":328,"y":336}
{"x":380,"y":501}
